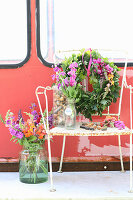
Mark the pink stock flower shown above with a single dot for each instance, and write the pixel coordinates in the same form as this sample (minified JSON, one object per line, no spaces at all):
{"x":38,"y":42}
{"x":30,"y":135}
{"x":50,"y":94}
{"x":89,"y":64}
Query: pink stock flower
{"x":66,"y":81}
{"x":53,"y":76}
{"x":73,"y":65}
{"x":72,"y":81}
{"x":73,"y":69}
{"x":101,"y":66}
{"x":56,"y":69}
{"x":59,"y":84}
{"x":98,"y":61}
{"x":62,"y":73}
{"x":74,"y":76}
{"x":99,"y":70}
{"x":72,"y":72}
{"x":57,"y":78}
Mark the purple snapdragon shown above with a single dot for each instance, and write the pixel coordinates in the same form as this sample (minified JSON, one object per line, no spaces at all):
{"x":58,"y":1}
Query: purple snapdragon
{"x":20,"y":117}
{"x":33,"y":105}
{"x":50,"y":120}
{"x":8,"y":122}
{"x":35,"y":114}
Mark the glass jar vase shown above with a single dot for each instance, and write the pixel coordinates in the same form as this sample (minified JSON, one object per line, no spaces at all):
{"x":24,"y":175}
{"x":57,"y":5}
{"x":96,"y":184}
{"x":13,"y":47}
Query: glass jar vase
{"x":70,"y":114}
{"x":59,"y":104}
{"x":33,"y":165}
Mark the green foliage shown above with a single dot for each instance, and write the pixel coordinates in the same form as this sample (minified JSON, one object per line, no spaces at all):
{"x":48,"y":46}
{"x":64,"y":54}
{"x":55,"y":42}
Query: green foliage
{"x":8,"y":114}
{"x":71,"y":92}
{"x":2,"y":120}
{"x":105,"y":89}
{"x":20,"y":123}
{"x":29,"y":114}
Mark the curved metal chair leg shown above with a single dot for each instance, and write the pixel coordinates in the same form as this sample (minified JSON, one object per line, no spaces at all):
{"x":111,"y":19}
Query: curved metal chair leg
{"x":52,"y":189}
{"x":131,"y":146}
{"x":121,"y":158}
{"x":62,"y":154}
{"x":131,"y":174}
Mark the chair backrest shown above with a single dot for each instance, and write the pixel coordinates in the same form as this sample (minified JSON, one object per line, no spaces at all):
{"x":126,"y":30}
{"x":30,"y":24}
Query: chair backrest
{"x":43,"y":91}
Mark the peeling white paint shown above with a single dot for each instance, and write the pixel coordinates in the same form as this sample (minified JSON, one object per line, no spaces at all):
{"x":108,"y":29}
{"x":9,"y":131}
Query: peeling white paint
{"x":93,"y":150}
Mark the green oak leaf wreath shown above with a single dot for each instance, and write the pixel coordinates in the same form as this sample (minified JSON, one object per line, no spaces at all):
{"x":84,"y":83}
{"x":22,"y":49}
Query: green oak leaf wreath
{"x":102,"y":75}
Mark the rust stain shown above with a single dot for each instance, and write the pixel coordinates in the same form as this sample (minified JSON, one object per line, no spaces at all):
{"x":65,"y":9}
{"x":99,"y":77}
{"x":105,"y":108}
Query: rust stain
{"x":92,"y":159}
{"x":9,"y":160}
{"x":73,"y":159}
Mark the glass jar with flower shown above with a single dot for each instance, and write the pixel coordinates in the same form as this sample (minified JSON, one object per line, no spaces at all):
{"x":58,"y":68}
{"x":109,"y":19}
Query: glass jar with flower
{"x":59,"y":104}
{"x":70,"y":114}
{"x":66,"y":81}
{"x":33,"y":162}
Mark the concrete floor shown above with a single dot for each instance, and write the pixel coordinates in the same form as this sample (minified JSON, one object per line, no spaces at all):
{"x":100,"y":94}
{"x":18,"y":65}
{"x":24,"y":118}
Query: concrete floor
{"x":69,"y":186}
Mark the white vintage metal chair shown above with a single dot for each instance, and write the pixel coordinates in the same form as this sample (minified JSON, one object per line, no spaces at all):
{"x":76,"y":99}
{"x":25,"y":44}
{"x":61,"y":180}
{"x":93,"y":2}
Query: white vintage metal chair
{"x":78,"y":132}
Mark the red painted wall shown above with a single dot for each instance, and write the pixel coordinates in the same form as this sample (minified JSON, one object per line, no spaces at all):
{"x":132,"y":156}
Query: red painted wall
{"x":17,"y":90}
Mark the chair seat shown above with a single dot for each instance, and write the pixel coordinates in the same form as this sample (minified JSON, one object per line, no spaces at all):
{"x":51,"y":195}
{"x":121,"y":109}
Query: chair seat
{"x":82,"y":132}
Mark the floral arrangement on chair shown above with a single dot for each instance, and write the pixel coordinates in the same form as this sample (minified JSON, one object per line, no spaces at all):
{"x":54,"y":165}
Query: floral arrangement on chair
{"x":102,"y":75}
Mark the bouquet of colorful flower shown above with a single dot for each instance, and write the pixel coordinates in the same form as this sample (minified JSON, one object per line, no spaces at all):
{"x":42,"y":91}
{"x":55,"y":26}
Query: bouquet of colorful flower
{"x":28,"y":133}
{"x":31,"y":135}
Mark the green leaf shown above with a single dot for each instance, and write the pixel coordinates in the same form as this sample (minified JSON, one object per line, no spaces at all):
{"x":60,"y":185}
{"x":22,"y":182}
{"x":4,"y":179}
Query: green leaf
{"x":25,"y":142}
{"x":71,"y":91}
{"x":20,"y":123}
{"x":13,"y":137}
{"x":29,"y":114}
{"x":95,"y":108}
{"x":2,"y":120}
{"x":116,"y":94}
{"x":32,"y":138}
{"x":7,"y":115}
{"x":104,"y":102}
{"x":64,"y":91}
{"x":20,"y":141}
